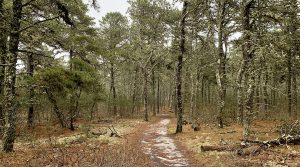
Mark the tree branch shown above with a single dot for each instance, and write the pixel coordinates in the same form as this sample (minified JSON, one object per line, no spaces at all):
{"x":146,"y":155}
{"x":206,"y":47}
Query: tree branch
{"x":37,"y":23}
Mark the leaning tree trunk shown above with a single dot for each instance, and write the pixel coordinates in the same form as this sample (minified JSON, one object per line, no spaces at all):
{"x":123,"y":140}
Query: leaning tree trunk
{"x":3,"y":42}
{"x":60,"y":115}
{"x":10,"y":78}
{"x":179,"y":69}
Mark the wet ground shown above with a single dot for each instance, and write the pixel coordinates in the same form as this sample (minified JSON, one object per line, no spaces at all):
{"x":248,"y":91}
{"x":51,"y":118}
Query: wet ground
{"x":160,"y":147}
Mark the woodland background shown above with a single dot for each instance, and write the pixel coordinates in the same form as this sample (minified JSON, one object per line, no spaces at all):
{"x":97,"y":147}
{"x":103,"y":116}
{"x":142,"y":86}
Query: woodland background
{"x":215,"y":61}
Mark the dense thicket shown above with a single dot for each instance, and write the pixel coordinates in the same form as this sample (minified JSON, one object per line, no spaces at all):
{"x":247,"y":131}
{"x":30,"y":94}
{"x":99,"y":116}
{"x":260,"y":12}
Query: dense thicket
{"x":215,"y":60}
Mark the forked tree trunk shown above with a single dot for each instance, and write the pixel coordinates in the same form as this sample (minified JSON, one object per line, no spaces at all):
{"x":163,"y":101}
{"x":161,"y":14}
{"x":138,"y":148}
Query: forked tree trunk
{"x":179,"y":69}
{"x":10,"y":78}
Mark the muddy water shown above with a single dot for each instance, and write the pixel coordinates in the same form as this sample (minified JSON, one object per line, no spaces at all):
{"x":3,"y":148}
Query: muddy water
{"x":161,"y":147}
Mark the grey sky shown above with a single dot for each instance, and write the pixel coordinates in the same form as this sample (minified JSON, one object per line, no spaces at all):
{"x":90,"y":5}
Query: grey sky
{"x":107,"y":6}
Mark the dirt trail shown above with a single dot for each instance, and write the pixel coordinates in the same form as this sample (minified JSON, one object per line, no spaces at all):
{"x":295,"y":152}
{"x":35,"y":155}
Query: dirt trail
{"x":160,"y":147}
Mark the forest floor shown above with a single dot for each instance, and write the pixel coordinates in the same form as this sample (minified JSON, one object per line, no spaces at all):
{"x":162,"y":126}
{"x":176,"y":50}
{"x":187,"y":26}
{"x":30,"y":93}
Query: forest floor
{"x":89,"y":145}
{"x":209,"y":135}
{"x":143,"y":144}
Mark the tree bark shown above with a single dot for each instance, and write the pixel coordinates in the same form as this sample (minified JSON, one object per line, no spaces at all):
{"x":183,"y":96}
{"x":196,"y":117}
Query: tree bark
{"x":30,"y":70}
{"x":179,"y":69}
{"x":158,"y":95}
{"x":134,"y":89}
{"x":153,"y":89}
{"x":295,"y":92}
{"x":59,"y":115}
{"x":265,"y":90}
{"x":113,"y":88}
{"x":248,"y":57}
{"x":289,"y":82}
{"x":146,"y":118}
{"x":221,"y":69}
{"x":72,"y":97}
{"x":3,"y":52}
{"x":291,"y":29}
{"x":10,"y":78}
{"x":240,"y":92}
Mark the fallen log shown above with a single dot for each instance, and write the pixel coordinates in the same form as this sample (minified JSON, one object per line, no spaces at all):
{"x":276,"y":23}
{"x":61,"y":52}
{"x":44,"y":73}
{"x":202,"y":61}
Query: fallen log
{"x":231,"y":147}
{"x":233,"y":131}
{"x":280,"y":141}
{"x":263,"y":145}
{"x":252,"y":150}
{"x":98,"y":133}
{"x":248,"y":149}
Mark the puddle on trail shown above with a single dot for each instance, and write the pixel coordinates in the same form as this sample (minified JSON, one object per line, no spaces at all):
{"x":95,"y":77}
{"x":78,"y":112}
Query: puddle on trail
{"x":161,"y":147}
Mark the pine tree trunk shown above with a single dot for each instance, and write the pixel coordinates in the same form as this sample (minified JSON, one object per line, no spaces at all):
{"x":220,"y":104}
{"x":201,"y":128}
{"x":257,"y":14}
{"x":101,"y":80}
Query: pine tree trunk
{"x":192,"y":96}
{"x":221,"y":69}
{"x":72,"y":97}
{"x":179,"y":69}
{"x":258,"y":103}
{"x":59,"y":115}
{"x":291,"y":28}
{"x":113,"y":88}
{"x":289,"y":82}
{"x":134,"y":89}
{"x":295,"y":93}
{"x":250,"y":78}
{"x":30,"y":70}
{"x":273,"y":92}
{"x":3,"y":52}
{"x":158,"y":95}
{"x":240,"y":92}
{"x":153,"y":90}
{"x":265,"y":90}
{"x":146,"y":118}
{"x":10,"y":79}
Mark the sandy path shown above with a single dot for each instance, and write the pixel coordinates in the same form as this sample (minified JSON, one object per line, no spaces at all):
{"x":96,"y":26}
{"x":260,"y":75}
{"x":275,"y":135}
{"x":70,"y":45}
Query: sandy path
{"x":160,"y":147}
